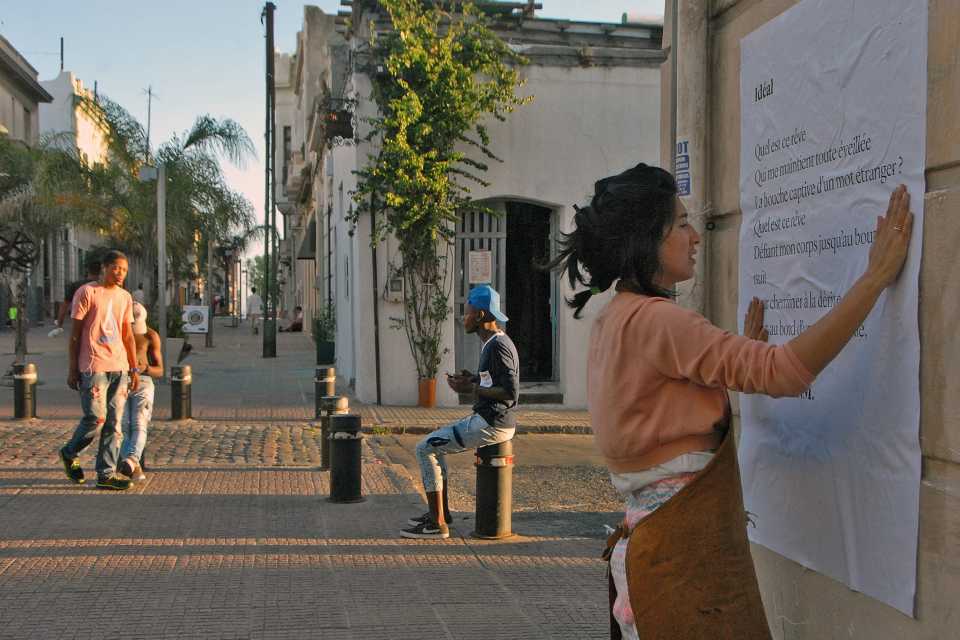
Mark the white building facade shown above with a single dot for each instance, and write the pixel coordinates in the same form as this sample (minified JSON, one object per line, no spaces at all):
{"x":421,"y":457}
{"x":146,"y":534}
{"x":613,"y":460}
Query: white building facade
{"x":595,"y":112}
{"x":63,"y":252}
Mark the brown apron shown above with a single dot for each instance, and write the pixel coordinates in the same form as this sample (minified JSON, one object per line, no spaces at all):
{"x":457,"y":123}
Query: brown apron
{"x":689,"y":570}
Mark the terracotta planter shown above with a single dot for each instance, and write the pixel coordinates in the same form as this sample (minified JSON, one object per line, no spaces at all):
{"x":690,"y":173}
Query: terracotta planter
{"x":427,"y":393}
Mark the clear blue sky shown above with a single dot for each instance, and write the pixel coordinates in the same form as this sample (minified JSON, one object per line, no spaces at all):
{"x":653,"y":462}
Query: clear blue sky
{"x":199,"y":56}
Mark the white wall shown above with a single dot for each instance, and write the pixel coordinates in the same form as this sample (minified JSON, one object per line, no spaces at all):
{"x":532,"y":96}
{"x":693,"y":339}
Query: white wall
{"x":584,"y":124}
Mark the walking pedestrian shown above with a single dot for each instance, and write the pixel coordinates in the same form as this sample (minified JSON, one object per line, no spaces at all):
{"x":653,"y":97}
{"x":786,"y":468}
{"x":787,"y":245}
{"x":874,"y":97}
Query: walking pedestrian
{"x":103,"y":363}
{"x":657,"y":378}
{"x":138,"y":294}
{"x":138,"y":410}
{"x":254,"y":309}
{"x":496,"y":390}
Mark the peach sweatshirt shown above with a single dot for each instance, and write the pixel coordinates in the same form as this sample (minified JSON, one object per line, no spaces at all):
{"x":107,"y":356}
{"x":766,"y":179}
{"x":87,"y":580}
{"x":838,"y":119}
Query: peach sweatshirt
{"x":657,"y":376}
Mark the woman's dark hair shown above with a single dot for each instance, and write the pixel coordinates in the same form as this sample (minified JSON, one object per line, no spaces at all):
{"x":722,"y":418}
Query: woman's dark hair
{"x":112,"y":256}
{"x":618,"y":236}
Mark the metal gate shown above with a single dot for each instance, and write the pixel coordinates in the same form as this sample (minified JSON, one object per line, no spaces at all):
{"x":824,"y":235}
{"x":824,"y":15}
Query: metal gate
{"x":477,"y":232}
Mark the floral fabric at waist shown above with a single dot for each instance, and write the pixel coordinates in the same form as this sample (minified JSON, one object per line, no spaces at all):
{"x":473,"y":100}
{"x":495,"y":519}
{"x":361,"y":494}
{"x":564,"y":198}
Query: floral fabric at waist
{"x":640,"y":504}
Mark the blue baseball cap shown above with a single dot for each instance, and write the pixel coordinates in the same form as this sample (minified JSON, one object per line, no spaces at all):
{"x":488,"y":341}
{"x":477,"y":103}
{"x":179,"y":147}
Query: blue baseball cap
{"x":486,"y":297}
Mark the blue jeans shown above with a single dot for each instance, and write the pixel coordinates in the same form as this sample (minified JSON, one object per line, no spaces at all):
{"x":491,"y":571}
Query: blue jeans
{"x":471,"y":432}
{"x":136,"y":419}
{"x":102,"y":397}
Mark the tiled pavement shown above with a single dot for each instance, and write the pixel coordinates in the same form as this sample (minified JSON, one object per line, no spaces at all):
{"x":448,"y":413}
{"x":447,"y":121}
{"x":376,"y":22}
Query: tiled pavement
{"x":231,"y":537}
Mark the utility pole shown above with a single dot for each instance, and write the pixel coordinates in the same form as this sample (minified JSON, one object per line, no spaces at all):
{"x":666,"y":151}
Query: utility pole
{"x":162,"y":262}
{"x":270,"y":313}
{"x":150,"y":97}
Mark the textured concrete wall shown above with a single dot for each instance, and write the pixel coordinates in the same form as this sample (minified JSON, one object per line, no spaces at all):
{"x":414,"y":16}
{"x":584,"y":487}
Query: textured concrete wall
{"x":802,"y":604}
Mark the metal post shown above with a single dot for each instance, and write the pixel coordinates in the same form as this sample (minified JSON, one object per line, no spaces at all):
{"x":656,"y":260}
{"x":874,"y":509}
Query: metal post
{"x":162,"y":261}
{"x":330,"y":406}
{"x":269,"y":315}
{"x":181,"y":395}
{"x":24,"y":390}
{"x":324,"y":385}
{"x":211,"y":308}
{"x":494,"y":508}
{"x":345,"y":458}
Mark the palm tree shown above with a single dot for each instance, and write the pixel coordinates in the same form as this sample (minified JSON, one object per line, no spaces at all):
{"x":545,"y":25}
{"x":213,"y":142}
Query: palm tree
{"x":201,"y":207}
{"x":55,"y":185}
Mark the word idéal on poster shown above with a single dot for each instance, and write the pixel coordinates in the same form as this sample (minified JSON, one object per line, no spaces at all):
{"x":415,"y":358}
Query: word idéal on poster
{"x":833,"y":476}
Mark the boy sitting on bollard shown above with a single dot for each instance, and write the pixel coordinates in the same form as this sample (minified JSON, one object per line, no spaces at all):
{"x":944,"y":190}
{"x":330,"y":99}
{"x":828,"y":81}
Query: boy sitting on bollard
{"x":139,"y":408}
{"x":496,"y":390}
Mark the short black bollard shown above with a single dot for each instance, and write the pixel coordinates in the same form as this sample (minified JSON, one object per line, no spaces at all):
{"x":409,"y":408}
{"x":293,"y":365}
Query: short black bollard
{"x":494,"y":509}
{"x":330,"y":405}
{"x":345,"y":458}
{"x":181,"y":395}
{"x":324,"y":386}
{"x":24,"y":391}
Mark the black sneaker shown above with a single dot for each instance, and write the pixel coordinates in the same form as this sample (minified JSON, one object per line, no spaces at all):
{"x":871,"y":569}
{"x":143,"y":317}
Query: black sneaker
{"x":427,"y":530}
{"x":114,"y":483}
{"x":72,"y":467}
{"x":413,"y":522}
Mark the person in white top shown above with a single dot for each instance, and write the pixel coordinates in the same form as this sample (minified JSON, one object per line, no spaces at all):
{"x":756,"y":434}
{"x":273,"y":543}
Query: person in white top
{"x":138,"y":295}
{"x":254,"y":309}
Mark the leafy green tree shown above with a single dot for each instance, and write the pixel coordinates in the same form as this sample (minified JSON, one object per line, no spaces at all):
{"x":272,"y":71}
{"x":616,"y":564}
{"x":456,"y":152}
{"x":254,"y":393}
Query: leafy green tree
{"x":443,"y":73}
{"x":44,"y":189}
{"x":32,"y":207}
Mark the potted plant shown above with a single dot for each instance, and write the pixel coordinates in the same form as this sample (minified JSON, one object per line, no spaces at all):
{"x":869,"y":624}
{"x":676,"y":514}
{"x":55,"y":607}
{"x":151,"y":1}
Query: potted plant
{"x":325,"y":333}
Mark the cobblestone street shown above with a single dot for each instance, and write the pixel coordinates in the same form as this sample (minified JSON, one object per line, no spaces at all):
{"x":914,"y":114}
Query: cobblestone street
{"x":218,"y":543}
{"x":231,"y":536}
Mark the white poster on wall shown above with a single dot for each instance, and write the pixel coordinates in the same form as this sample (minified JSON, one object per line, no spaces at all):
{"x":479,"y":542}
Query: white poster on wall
{"x":833,"y":118}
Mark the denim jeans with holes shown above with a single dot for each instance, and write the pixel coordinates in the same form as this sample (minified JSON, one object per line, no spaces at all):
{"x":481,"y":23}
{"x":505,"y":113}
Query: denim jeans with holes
{"x":102,"y":398}
{"x":473,"y":432}
{"x":136,"y":419}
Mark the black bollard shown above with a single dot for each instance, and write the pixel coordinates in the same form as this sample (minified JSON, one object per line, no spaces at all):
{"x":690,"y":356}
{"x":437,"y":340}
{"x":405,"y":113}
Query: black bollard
{"x":24,"y":391}
{"x":494,"y":509}
{"x":181,"y":395}
{"x":324,"y":386}
{"x":345,"y":460}
{"x":330,"y":405}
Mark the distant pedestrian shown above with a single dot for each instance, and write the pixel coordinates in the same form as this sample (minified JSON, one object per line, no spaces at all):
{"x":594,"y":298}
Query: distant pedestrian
{"x":496,"y":390}
{"x":138,"y":295}
{"x":92,"y":275}
{"x":254,"y":309}
{"x":657,"y":381}
{"x":103,"y":363}
{"x":296,"y":322}
{"x":138,"y":411}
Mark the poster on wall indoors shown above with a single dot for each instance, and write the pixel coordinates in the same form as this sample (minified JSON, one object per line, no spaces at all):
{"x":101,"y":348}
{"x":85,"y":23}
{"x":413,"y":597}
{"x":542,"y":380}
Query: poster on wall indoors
{"x":833,"y":118}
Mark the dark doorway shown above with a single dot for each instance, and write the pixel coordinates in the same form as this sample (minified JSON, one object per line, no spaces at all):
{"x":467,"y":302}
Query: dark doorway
{"x":528,"y":290}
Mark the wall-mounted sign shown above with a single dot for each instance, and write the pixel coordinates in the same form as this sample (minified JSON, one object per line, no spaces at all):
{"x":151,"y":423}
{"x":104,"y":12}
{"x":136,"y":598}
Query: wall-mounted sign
{"x":682,"y":173}
{"x":481,"y":267}
{"x":195,"y":318}
{"x":833,"y":118}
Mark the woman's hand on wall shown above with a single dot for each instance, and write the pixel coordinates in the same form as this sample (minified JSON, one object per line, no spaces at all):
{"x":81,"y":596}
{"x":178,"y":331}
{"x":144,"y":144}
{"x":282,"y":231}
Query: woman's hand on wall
{"x":891,"y":239}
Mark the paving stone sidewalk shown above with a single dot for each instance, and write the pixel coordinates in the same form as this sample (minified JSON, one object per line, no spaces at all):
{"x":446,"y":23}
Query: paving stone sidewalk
{"x":233,"y":383}
{"x":232,"y":537}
